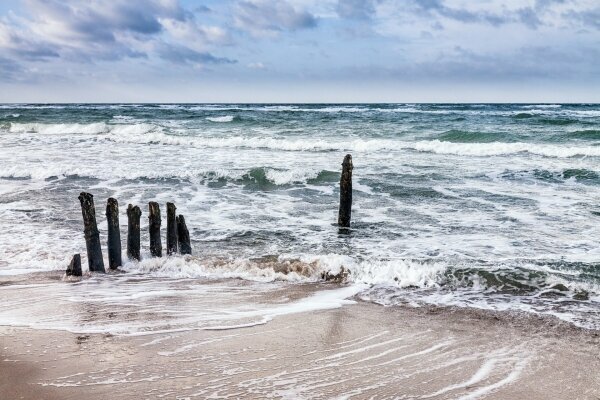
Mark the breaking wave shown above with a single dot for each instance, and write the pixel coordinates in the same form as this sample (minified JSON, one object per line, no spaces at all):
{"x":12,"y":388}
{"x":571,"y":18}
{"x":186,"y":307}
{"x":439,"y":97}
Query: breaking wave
{"x":224,"y":118}
{"x":576,"y":281}
{"x":85,"y":129}
{"x":259,"y":177}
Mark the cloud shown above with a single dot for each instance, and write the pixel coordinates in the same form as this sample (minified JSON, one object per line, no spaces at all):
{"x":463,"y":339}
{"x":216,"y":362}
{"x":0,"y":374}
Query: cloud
{"x":589,"y":18}
{"x":269,"y":17}
{"x":185,"y":55}
{"x":490,"y":13}
{"x":106,"y":30}
{"x":356,"y":9}
{"x":101,"y":21}
{"x":256,"y":65}
{"x":9,"y":70}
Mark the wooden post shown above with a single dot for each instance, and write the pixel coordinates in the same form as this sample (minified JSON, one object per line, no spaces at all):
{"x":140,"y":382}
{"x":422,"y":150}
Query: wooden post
{"x":183,"y":236}
{"x":74,"y":268}
{"x":154,"y":226}
{"x":171,"y":229}
{"x":133,"y":232}
{"x":114,"y":234}
{"x":92,"y":236}
{"x":345,"y":193}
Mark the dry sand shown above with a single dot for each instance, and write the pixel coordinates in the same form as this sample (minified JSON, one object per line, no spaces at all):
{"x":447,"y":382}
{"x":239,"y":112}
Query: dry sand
{"x":357,"y":351}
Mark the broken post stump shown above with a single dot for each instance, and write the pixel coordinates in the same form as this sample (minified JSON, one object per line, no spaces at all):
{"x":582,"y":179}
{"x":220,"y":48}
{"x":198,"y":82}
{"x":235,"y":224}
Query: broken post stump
{"x":345,"y":211}
{"x":133,"y":232}
{"x":171,"y":229}
{"x":114,"y":234}
{"x":183,"y":236}
{"x":92,"y":236}
{"x":74,"y":268}
{"x":154,"y":227}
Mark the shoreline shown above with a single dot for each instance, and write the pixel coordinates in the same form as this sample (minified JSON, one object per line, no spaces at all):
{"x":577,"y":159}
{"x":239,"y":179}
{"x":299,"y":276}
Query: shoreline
{"x":298,"y":290}
{"x":361,"y":349}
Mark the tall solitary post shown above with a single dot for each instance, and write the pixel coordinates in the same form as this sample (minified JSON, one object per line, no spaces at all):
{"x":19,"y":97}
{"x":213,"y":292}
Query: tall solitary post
{"x":345,"y":212}
{"x":92,"y":236}
{"x":171,"y":229}
{"x":114,"y":234}
{"x":183,"y":236}
{"x":154,"y":227}
{"x":133,"y":232}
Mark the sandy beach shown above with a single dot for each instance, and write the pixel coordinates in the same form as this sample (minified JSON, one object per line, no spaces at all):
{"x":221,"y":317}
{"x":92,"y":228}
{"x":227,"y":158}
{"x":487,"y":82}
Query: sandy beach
{"x":359,"y":350}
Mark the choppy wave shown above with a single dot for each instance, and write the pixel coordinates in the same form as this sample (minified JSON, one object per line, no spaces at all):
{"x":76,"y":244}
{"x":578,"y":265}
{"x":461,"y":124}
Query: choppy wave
{"x":498,"y":148}
{"x":536,"y":278}
{"x":259,"y":177}
{"x":459,"y":136}
{"x":454,"y":142}
{"x":87,"y":129}
{"x":224,"y":118}
{"x":591,"y":134}
{"x":581,"y":175}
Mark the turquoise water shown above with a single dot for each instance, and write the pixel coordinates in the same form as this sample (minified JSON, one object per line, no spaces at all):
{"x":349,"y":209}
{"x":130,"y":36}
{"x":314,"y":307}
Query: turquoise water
{"x":477,"y":205}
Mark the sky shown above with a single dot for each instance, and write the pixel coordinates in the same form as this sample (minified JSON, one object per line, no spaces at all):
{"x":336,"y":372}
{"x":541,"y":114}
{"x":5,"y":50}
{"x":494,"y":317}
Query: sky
{"x":299,"y":51}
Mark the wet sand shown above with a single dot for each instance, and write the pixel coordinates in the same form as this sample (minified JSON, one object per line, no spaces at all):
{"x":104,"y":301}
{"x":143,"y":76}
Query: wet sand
{"x":356,"y":351}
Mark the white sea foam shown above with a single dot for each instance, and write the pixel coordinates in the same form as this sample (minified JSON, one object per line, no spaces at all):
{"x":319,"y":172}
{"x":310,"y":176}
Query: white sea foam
{"x":498,"y":148}
{"x":552,"y":106}
{"x":86,"y":129}
{"x":58,"y":129}
{"x":151,"y":134}
{"x":224,"y":118}
{"x":41,"y":172}
{"x":191,"y":267}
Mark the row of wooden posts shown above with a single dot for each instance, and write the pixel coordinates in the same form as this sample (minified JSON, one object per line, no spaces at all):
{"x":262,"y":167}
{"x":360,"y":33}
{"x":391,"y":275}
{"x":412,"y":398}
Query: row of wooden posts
{"x":178,"y":236}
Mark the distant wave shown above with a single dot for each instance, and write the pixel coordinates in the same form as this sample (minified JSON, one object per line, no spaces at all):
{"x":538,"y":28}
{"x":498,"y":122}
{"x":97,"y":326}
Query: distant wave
{"x":259,"y":177}
{"x":459,"y":136}
{"x":543,"y":106}
{"x":592,"y":134}
{"x":463,"y":142}
{"x":499,"y":148}
{"x":581,"y":175}
{"x":225,"y":118}
{"x":77,"y":128}
{"x":369,"y":145}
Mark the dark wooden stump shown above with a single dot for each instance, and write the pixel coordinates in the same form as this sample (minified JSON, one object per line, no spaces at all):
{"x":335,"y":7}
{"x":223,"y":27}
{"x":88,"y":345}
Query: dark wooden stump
{"x":133,"y":232}
{"x":154,"y":227}
{"x":346,"y":193}
{"x":74,"y":268}
{"x":171,"y":229}
{"x":183,"y":236}
{"x":92,"y":236}
{"x":114,"y":234}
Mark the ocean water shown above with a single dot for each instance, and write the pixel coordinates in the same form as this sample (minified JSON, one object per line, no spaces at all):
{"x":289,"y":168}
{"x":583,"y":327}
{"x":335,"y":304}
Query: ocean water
{"x":471,"y":205}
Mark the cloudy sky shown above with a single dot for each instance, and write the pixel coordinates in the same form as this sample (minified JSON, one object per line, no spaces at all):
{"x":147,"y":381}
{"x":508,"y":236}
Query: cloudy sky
{"x":299,"y":50}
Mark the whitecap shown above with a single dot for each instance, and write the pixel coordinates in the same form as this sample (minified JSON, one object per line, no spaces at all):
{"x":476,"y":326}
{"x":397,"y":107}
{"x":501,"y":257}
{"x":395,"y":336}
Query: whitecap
{"x":224,"y":118}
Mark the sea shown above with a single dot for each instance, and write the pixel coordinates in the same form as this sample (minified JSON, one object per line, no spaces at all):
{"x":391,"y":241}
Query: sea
{"x":487,"y":206}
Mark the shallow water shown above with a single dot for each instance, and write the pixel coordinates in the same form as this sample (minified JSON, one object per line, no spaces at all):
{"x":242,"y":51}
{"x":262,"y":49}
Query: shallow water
{"x":489,"y":206}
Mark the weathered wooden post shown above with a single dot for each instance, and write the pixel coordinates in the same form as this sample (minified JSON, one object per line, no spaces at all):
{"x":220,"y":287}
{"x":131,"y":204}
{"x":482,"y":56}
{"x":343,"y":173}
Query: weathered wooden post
{"x":133,"y":232}
{"x":114,"y":234}
{"x":74,"y":268}
{"x":154,"y":226}
{"x":345,"y":193}
{"x":183,"y":236}
{"x":171,"y":229}
{"x":92,"y":236}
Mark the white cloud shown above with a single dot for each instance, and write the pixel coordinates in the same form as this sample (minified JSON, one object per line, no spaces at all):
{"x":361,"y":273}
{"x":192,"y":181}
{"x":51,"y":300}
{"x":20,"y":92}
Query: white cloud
{"x":269,"y":17}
